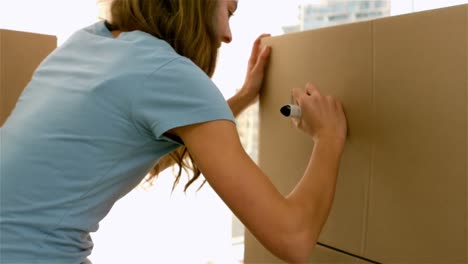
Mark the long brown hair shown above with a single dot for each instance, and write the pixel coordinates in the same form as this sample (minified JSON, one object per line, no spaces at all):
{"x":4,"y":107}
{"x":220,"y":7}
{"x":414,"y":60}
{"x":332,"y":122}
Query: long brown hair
{"x":189,"y":27}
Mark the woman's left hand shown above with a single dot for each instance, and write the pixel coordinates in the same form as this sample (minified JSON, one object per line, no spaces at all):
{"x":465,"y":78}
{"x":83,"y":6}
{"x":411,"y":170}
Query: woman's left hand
{"x":256,"y":70}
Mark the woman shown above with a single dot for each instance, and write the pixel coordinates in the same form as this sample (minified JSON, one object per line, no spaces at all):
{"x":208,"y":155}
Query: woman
{"x":116,"y":98}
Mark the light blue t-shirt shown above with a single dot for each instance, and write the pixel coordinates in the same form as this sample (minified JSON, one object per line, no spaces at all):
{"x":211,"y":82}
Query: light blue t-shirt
{"x":85,"y":131}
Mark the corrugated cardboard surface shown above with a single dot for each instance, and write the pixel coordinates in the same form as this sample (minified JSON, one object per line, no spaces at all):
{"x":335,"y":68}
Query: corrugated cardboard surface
{"x":20,"y":54}
{"x":402,"y":190}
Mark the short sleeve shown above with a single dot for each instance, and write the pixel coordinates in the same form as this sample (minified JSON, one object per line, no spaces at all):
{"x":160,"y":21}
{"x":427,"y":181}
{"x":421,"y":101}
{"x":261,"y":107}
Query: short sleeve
{"x":178,"y":94}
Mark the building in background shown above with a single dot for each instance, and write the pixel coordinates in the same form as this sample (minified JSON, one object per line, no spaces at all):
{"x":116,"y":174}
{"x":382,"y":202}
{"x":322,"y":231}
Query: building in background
{"x":335,"y":12}
{"x":247,"y":126}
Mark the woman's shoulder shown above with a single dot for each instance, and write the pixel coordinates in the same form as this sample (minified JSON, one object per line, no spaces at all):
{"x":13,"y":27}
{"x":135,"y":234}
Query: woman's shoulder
{"x":135,"y":55}
{"x":159,"y":56}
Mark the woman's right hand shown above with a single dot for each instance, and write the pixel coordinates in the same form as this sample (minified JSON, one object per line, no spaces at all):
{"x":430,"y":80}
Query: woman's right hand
{"x":322,"y":117}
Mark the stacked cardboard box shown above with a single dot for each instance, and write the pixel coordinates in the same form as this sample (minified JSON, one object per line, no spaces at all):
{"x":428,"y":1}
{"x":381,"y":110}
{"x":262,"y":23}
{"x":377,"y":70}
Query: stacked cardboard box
{"x":20,"y":54}
{"x":402,"y":189}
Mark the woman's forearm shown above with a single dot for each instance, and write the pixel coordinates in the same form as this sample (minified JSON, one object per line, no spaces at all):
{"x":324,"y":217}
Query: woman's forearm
{"x":239,"y":102}
{"x":313,"y":195}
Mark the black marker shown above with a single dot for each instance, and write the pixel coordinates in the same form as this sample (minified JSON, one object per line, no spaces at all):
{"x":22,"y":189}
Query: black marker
{"x":291,"y":110}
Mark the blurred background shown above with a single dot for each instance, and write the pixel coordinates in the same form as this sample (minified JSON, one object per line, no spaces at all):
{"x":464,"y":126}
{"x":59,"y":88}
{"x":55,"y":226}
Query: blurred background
{"x":154,"y":224}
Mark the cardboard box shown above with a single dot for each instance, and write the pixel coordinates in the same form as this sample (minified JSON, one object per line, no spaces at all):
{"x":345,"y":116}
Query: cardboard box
{"x":402,"y":189}
{"x":20,"y":54}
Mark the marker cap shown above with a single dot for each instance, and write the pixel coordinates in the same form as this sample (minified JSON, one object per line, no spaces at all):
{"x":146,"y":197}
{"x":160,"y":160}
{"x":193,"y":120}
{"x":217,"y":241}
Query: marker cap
{"x":291,"y":111}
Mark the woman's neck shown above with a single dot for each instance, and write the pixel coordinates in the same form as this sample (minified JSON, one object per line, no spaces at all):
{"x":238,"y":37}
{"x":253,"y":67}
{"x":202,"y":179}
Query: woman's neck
{"x":116,"y":33}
